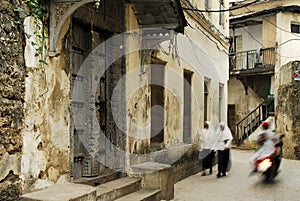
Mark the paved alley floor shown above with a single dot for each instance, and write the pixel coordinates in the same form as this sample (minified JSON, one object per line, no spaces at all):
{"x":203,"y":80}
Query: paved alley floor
{"x":238,"y":186}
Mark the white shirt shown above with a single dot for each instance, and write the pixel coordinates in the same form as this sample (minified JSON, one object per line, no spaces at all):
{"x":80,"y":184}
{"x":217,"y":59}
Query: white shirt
{"x":207,"y":139}
{"x":222,"y":136}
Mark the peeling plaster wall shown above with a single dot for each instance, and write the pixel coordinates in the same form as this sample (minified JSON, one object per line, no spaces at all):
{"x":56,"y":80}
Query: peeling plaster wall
{"x":244,"y":103}
{"x":286,"y":90}
{"x":45,"y":157}
{"x":137,"y":96}
{"x":200,"y":55}
{"x":173,"y":119}
{"x":288,"y":109}
{"x":12,"y":74}
{"x":191,"y":57}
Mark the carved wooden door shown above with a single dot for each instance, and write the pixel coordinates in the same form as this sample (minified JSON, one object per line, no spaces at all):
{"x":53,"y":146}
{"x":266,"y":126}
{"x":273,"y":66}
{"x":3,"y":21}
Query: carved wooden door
{"x":97,"y":142}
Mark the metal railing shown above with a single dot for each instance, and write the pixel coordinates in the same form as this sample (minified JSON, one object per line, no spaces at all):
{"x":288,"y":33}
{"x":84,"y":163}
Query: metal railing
{"x":248,"y":124}
{"x":263,"y":57}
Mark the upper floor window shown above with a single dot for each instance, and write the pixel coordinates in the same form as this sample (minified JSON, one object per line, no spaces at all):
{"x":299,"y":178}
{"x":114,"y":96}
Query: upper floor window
{"x":221,"y":22}
{"x":207,"y":4}
{"x":221,"y":93}
{"x":295,"y":28}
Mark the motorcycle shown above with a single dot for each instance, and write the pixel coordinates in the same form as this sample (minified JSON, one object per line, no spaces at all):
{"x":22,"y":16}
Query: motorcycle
{"x":270,"y":158}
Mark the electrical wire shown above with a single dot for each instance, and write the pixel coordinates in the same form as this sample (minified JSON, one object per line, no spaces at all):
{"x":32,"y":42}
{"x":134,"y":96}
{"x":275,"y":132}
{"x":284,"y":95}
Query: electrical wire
{"x":213,"y":27}
{"x":278,"y":28}
{"x":218,"y":11}
{"x":288,"y":41}
{"x":276,"y":52}
{"x":274,"y":24}
{"x":253,"y":37}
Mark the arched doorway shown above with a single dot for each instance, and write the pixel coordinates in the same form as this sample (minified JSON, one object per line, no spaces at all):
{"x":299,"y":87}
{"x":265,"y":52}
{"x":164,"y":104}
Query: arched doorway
{"x":89,"y":28}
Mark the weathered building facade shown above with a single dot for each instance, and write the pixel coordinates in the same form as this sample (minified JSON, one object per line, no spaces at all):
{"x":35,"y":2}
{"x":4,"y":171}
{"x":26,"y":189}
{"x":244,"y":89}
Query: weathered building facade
{"x":287,"y":108}
{"x":96,"y":87}
{"x":12,"y":78}
{"x":264,"y":40}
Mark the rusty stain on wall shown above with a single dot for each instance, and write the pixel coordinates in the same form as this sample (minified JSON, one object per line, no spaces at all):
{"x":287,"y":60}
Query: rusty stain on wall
{"x":139,"y":118}
{"x":173,"y":118}
{"x":45,"y":158}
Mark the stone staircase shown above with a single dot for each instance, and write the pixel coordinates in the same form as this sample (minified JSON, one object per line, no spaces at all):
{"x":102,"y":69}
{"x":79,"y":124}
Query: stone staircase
{"x":149,"y":181}
{"x":127,"y":188}
{"x":123,"y":189}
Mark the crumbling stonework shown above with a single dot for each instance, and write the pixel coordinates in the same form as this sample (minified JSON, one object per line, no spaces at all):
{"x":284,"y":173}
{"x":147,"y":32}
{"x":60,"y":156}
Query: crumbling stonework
{"x":288,"y":110}
{"x":12,"y":73}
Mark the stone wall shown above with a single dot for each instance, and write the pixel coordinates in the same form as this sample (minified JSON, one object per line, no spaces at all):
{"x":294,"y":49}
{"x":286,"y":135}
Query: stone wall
{"x":184,"y":160}
{"x":12,"y":73}
{"x":288,"y":109}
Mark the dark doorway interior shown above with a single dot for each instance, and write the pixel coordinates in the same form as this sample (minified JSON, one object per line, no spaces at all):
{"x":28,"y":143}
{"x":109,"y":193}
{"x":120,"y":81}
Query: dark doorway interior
{"x":157,"y":106}
{"x":231,"y":120}
{"x":187,"y":107}
{"x":206,"y":95}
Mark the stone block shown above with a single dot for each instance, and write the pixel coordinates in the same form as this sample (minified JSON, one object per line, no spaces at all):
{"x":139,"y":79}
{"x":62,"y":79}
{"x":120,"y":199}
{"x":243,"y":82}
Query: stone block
{"x":156,"y":176}
{"x":63,"y":192}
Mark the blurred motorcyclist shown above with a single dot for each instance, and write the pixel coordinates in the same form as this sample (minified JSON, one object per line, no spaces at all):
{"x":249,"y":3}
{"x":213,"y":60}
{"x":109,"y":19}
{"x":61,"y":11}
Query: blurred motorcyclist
{"x":269,"y":133}
{"x":266,"y":147}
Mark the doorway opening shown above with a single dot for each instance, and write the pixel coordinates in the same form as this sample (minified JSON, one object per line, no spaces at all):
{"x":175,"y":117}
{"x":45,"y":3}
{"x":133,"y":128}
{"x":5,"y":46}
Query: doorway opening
{"x":187,"y":108}
{"x":157,"y":104}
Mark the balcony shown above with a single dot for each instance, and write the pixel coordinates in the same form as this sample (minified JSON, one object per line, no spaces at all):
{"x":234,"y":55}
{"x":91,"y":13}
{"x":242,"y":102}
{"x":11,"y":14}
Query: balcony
{"x":260,"y":61}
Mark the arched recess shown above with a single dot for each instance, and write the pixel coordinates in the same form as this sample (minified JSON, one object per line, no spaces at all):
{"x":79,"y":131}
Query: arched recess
{"x":60,"y":11}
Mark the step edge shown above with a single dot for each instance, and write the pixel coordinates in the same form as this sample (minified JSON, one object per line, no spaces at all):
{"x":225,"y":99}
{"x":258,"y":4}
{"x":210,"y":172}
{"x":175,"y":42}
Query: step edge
{"x":151,"y":192}
{"x":110,"y":186}
{"x":109,"y":192}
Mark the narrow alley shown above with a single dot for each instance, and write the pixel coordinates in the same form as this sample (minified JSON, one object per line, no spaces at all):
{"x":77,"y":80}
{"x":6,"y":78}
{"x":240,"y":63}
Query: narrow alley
{"x":237,"y":186}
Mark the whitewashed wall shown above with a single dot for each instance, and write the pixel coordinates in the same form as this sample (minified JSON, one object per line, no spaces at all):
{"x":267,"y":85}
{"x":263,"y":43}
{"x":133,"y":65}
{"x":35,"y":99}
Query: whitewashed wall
{"x":248,"y":33}
{"x":288,"y":43}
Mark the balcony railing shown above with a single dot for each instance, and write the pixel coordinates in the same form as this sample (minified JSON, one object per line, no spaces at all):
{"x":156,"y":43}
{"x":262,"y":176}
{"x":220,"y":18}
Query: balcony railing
{"x":251,"y":59}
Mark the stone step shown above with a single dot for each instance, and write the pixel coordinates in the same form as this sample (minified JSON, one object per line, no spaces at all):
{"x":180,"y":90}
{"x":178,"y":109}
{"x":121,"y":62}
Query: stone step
{"x":141,"y":195}
{"x":115,"y":189}
{"x":63,"y":192}
{"x":103,"y":178}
